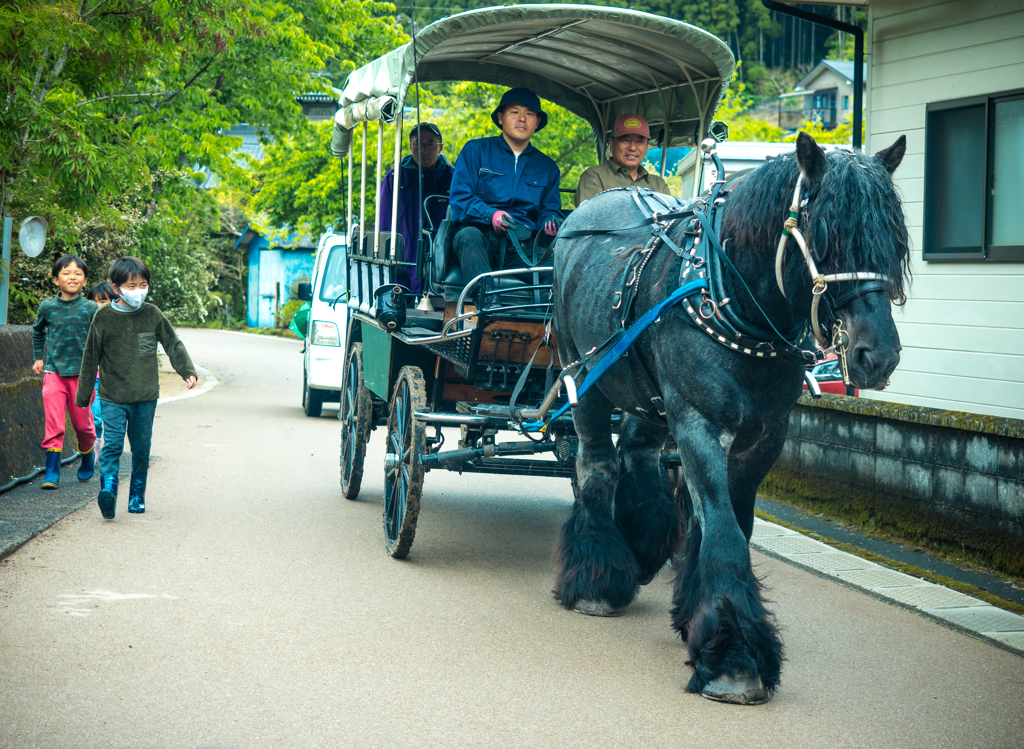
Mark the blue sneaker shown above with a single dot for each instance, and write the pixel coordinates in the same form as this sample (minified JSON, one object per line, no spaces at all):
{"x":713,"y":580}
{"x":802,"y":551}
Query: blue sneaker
{"x":52,"y":477}
{"x":88,"y":466}
{"x":137,"y":494}
{"x":108,"y":496}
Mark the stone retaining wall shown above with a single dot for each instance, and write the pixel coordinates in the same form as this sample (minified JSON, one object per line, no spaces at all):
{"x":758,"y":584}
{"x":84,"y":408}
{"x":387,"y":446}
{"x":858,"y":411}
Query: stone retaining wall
{"x":21,"y":407}
{"x":955,"y":477}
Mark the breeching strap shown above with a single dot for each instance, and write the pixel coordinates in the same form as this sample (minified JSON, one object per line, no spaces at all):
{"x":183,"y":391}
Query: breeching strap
{"x":623,"y":339}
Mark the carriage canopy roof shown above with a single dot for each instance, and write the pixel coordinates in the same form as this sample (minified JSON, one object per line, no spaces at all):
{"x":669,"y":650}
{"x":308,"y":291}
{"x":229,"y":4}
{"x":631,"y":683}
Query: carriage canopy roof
{"x":597,"y":62}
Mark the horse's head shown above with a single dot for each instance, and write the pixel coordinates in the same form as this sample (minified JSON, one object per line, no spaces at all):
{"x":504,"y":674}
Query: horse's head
{"x":853,"y":259}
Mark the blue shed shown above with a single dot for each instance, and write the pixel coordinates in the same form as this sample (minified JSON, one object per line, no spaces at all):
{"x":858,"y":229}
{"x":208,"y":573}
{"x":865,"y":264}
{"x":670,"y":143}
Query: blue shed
{"x":273,"y":272}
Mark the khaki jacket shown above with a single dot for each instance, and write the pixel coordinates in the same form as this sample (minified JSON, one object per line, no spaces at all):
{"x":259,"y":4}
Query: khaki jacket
{"x":597,"y":179}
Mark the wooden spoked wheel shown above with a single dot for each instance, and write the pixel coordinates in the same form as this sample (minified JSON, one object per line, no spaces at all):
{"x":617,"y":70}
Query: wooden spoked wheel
{"x":403,"y":474}
{"x":355,"y":414}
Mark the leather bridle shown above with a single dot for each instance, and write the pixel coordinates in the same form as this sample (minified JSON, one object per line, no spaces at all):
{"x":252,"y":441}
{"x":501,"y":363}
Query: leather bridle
{"x":872,"y":282}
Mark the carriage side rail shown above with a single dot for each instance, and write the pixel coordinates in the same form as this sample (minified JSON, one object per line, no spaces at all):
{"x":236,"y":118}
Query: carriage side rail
{"x":462,"y":315}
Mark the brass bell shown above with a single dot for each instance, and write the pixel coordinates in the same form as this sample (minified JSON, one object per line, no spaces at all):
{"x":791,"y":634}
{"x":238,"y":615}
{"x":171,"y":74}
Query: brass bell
{"x":424,"y":304}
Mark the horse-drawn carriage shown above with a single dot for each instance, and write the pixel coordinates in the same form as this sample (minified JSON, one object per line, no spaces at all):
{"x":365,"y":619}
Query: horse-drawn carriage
{"x":457,"y":361}
{"x":690,"y":311}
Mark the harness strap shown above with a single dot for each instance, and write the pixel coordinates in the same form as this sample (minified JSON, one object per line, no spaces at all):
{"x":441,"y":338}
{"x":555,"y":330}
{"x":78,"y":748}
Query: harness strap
{"x":717,"y":250}
{"x":623,"y":339}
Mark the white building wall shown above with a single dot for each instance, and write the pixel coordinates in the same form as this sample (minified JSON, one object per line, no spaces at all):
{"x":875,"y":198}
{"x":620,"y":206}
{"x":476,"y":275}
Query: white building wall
{"x":963,"y":328}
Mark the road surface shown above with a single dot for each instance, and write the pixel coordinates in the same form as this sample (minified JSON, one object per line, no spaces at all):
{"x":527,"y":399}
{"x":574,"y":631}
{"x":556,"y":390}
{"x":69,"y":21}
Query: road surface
{"x":252,"y":606}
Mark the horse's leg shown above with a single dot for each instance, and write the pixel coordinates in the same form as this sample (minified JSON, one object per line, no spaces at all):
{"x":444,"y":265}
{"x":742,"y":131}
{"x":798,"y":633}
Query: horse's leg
{"x":597,"y":573}
{"x":748,"y":469}
{"x":645,"y":513}
{"x":733,"y":642}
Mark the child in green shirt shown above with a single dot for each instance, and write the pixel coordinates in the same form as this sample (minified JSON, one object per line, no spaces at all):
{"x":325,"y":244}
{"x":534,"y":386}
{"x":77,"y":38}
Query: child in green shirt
{"x":122,"y":344}
{"x":58,"y":340}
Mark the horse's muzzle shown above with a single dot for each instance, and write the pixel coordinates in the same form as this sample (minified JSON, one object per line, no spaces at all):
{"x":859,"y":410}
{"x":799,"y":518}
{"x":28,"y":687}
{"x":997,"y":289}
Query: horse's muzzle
{"x":871,"y":365}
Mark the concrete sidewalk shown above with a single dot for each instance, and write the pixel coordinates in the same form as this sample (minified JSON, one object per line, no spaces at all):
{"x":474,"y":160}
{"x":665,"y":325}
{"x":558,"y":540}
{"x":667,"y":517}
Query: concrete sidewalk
{"x":946,"y":606}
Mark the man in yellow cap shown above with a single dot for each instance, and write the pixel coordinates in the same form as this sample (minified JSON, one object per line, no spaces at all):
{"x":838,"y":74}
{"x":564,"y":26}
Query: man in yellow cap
{"x":628,"y":147}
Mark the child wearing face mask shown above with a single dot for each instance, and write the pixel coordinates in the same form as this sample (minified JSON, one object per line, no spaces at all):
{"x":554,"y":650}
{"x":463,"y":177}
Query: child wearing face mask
{"x":122,"y":345}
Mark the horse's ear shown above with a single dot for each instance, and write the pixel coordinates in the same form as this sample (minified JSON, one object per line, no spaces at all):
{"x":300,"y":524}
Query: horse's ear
{"x":893,"y":155}
{"x":809,"y":156}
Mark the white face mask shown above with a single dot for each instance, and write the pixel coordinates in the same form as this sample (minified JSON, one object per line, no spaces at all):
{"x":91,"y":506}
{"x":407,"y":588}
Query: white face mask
{"x":134,"y":297}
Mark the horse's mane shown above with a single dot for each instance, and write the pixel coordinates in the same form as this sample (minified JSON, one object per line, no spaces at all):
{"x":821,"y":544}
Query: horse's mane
{"x":866,"y":229}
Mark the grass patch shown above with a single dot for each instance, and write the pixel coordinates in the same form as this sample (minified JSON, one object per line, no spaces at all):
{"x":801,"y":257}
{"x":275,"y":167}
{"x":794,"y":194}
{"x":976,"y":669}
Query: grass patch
{"x":945,"y":536}
{"x":909,"y":569}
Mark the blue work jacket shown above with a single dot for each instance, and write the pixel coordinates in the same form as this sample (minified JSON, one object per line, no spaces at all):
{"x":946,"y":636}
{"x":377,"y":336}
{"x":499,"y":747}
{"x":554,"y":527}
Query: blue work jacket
{"x":488,"y":179}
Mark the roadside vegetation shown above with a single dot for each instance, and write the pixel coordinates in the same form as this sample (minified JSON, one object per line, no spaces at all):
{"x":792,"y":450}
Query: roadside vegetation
{"x":115,"y":113}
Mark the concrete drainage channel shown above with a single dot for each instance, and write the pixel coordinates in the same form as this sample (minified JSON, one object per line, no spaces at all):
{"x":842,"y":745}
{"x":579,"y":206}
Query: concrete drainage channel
{"x":942,"y":604}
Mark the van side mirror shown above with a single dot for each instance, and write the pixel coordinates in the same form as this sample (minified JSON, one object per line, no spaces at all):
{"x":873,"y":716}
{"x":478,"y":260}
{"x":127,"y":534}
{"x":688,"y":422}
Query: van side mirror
{"x":305,"y":291}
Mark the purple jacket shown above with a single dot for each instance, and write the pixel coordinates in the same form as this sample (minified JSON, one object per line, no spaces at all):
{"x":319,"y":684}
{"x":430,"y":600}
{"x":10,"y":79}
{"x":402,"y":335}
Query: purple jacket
{"x":437,"y":181}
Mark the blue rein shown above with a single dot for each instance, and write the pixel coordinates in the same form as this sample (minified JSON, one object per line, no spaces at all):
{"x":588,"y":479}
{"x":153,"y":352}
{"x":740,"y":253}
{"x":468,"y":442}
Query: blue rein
{"x":623,"y":343}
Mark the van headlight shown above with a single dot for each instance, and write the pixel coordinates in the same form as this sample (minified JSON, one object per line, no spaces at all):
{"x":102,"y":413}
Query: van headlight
{"x":325,"y":334}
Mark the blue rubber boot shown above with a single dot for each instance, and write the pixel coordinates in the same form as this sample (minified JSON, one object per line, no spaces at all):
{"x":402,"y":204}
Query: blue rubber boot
{"x":137,"y":494}
{"x":108,"y":496}
{"x":88,"y":466}
{"x":52,"y":478}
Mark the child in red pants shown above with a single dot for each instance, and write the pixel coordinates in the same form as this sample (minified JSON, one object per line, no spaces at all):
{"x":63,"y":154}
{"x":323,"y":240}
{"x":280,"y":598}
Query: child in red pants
{"x":58,"y":340}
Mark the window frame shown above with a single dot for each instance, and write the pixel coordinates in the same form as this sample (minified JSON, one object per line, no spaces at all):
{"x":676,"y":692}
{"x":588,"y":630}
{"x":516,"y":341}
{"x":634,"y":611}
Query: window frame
{"x":986,"y":252}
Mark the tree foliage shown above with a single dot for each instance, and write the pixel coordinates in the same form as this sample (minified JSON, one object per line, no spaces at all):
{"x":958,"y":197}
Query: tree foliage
{"x":113,"y":107}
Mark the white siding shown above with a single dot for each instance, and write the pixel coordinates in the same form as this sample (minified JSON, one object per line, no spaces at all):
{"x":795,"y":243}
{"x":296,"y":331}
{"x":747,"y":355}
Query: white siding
{"x":963,"y":328}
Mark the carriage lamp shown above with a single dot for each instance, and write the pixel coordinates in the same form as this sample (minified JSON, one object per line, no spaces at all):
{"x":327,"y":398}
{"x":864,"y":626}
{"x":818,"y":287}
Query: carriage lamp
{"x":325,"y":334}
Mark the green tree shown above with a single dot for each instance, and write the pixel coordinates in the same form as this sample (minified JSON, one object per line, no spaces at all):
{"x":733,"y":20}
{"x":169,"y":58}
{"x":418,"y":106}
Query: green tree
{"x":301,"y":187}
{"x":720,"y":17}
{"x":111,"y":105}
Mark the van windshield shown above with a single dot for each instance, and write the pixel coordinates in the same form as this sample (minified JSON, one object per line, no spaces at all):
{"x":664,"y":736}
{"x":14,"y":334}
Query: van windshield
{"x":333,"y":284}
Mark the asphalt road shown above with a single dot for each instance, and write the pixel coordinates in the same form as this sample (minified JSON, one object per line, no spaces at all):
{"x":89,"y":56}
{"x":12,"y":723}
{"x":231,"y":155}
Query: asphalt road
{"x":251,"y":606}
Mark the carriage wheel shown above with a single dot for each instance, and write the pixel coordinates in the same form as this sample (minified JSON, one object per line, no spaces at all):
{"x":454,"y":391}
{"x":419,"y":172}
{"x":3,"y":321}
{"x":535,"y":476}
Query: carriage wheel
{"x":403,"y":474}
{"x":355,"y":414}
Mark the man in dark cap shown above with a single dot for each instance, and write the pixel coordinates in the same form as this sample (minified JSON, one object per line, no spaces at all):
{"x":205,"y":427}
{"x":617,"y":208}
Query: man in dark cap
{"x":425,"y":146}
{"x":627,"y":149}
{"x":502,"y":181}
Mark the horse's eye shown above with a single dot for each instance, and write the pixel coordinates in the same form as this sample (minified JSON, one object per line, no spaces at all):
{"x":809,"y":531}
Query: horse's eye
{"x":819,"y":239}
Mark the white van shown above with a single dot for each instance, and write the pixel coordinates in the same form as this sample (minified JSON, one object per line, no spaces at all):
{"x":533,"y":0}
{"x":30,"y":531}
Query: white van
{"x":324,"y":356}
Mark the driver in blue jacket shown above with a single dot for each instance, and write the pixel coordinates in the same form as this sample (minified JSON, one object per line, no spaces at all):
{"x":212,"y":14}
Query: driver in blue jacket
{"x":503,"y":180}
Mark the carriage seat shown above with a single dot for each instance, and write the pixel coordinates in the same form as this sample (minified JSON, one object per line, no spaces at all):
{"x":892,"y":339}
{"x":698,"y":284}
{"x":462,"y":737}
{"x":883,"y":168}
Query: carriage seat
{"x":445,"y":276}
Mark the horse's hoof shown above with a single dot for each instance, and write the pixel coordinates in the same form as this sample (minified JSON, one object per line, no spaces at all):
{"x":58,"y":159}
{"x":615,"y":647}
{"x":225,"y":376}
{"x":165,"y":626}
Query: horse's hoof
{"x":737,"y":690}
{"x":597,"y":608}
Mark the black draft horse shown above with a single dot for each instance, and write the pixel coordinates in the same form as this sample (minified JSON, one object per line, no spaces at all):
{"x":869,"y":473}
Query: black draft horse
{"x":727,"y":412}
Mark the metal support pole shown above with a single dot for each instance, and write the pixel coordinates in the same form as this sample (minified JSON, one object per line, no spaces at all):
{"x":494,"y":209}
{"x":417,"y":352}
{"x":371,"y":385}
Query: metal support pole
{"x":858,"y":55}
{"x":362,"y":192}
{"x":348,"y":206}
{"x":858,"y":88}
{"x":5,"y":279}
{"x":399,"y":125}
{"x":376,"y":195}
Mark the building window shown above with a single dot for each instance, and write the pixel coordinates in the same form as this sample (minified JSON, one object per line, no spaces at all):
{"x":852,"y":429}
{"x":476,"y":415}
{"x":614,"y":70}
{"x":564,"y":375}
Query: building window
{"x":974,"y":177}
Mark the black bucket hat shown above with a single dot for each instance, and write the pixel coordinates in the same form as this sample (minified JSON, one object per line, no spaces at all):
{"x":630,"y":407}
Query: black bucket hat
{"x":523,"y":96}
